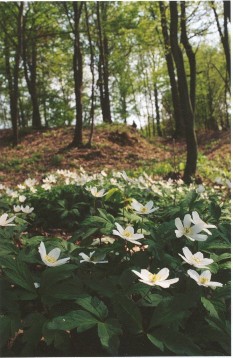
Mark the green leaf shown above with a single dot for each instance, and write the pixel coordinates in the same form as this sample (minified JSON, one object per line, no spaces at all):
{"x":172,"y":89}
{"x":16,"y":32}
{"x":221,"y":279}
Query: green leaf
{"x":209,"y":307}
{"x":159,"y":344}
{"x":18,"y":273}
{"x":108,"y":333}
{"x":176,"y":342}
{"x":128,"y":314}
{"x":111,"y":192}
{"x":79,"y":319}
{"x":173,"y":309}
{"x":225,"y":265}
{"x":93,"y":305}
{"x":33,"y":332}
{"x":60,"y":339}
{"x":8,"y":328}
{"x":215,"y":210}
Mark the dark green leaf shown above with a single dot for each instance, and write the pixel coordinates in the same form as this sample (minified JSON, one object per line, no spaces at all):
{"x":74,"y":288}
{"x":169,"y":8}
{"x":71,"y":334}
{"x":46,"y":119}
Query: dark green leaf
{"x":93,"y":305}
{"x":79,"y":319}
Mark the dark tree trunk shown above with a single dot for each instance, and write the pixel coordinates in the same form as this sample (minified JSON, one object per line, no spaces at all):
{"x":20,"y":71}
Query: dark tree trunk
{"x":159,"y":132}
{"x":78,"y":75}
{"x":103,"y":80}
{"x":191,"y":57}
{"x":224,"y":36}
{"x":30,"y":72}
{"x":187,"y":113}
{"x":179,"y":125}
{"x":13,"y":75}
{"x":92,"y":68}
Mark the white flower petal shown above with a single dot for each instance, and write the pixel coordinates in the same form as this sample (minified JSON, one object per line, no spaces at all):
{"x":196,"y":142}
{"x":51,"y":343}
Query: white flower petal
{"x":188,"y":254}
{"x":187,"y":220}
{"x":193,"y":274}
{"x":163,"y":274}
{"x":167,"y":283}
{"x":179,"y":225}
{"x":55,"y":253}
{"x":42,"y":250}
{"x":61,"y":261}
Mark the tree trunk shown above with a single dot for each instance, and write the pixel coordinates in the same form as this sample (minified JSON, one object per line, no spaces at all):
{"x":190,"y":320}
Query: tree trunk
{"x":179,"y":125}
{"x":224,"y":36}
{"x":187,"y":113}
{"x":92,"y":68}
{"x":78,"y":75}
{"x":159,"y":132}
{"x":13,"y":75}
{"x":30,"y":72}
{"x":103,"y":81}
{"x":191,"y":57}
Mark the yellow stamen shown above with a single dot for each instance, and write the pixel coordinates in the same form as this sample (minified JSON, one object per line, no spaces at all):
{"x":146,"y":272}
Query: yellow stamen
{"x":187,"y":230}
{"x":153,"y":278}
{"x":50,"y":259}
{"x":196,"y":259}
{"x":143,"y":210}
{"x":127,"y":233}
{"x":204,"y":280}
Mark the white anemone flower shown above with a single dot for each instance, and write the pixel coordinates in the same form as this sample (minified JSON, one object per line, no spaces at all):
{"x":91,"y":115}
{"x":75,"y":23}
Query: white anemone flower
{"x":198,"y":221}
{"x":128,"y":234}
{"x":46,"y":186}
{"x":21,"y":187}
{"x":30,"y":182}
{"x":92,"y":259}
{"x":203,"y":279}
{"x":158,"y":279}
{"x":191,"y":232}
{"x":96,"y":193}
{"x":143,"y":209}
{"x":6,"y":222}
{"x":197,"y":260}
{"x":51,"y":259}
{"x":22,"y":198}
{"x":17,"y":208}
{"x":200,"y":189}
{"x":27,"y":209}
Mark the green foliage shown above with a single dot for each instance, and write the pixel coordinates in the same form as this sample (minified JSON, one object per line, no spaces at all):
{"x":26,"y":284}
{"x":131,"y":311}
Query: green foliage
{"x":50,"y":310}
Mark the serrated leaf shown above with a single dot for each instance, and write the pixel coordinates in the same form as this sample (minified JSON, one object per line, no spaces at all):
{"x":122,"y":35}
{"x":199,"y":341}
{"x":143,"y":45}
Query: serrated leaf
{"x":108,"y":333}
{"x":82,"y":320}
{"x":93,"y":305}
{"x":225,"y":265}
{"x":177,"y":342}
{"x":128,"y":314}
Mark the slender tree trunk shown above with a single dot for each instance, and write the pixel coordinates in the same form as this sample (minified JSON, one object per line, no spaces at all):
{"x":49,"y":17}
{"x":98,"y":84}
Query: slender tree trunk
{"x":92,"y":68}
{"x":159,"y":131}
{"x":78,"y":75}
{"x":191,"y":57}
{"x":13,"y":75}
{"x":187,"y":113}
{"x":179,"y":125}
{"x":224,"y":36}
{"x":103,"y":62}
{"x":30,"y":72}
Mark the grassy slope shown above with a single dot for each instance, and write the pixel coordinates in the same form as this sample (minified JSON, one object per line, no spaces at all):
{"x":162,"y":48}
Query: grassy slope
{"x":116,"y":147}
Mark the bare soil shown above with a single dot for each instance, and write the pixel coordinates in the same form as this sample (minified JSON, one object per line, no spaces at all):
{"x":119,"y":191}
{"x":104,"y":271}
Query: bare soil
{"x":117,"y":147}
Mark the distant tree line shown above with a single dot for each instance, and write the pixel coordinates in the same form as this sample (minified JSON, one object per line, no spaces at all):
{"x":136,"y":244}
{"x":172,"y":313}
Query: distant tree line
{"x":68,"y":63}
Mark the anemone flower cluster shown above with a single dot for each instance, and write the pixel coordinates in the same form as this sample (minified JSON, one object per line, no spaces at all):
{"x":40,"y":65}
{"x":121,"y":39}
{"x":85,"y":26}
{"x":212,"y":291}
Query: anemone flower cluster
{"x":192,"y":232}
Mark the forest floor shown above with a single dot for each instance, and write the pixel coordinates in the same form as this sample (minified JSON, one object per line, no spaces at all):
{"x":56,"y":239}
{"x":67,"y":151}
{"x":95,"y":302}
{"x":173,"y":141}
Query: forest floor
{"x":115,"y":147}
